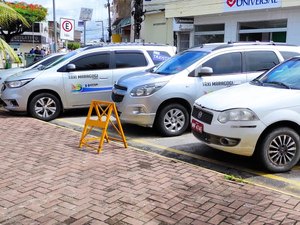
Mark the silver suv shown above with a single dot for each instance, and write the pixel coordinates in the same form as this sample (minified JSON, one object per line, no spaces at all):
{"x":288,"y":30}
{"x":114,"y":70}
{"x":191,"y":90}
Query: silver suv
{"x":78,"y":77}
{"x":164,"y":96}
{"x":40,"y":63}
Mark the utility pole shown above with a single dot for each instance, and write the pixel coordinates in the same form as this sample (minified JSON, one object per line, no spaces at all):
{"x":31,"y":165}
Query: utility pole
{"x":137,"y":15}
{"x":109,"y":21}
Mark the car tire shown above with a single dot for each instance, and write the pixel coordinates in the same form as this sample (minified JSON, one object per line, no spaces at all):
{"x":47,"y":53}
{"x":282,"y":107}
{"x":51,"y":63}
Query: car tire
{"x":279,"y":150}
{"x":172,"y":120}
{"x":45,"y":106}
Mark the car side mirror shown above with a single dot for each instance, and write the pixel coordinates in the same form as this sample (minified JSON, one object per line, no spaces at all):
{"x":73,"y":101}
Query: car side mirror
{"x":203,"y":71}
{"x":71,"y":67}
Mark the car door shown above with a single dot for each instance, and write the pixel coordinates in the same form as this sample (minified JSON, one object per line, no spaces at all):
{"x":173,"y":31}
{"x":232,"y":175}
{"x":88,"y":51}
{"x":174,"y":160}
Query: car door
{"x":91,"y":79}
{"x":227,"y":71}
{"x":128,"y":61}
{"x":257,"y":62}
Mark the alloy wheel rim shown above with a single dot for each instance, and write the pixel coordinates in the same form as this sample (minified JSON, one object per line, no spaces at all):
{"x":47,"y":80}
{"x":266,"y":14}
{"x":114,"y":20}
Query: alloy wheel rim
{"x":174,"y":120}
{"x":282,"y":150}
{"x":45,"y":107}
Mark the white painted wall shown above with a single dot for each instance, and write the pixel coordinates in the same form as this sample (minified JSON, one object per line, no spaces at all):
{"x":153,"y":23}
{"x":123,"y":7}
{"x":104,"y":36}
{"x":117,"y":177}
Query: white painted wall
{"x":231,"y":21}
{"x":212,"y":11}
{"x":158,"y":29}
{"x":204,"y":7}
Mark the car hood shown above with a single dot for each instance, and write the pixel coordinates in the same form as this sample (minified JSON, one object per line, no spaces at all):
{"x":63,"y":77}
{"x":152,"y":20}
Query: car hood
{"x":25,"y":74}
{"x":141,"y":78}
{"x":250,"y":96}
{"x":133,"y":74}
{"x":6,"y":73}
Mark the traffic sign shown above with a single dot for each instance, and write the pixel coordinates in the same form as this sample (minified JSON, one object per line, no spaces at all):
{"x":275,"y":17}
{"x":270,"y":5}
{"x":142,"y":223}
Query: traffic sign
{"x":86,"y":14}
{"x":67,"y":27}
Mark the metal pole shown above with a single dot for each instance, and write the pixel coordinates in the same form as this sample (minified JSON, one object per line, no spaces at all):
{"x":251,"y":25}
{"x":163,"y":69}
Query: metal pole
{"x":102,"y":31}
{"x":102,"y":28}
{"x":84,"y":32}
{"x":54,"y":24}
{"x":33,"y":35}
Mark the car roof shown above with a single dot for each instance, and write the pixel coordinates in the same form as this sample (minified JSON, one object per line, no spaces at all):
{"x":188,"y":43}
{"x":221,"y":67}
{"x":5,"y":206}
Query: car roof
{"x":244,"y":45}
{"x":171,"y":50}
{"x":131,"y":46}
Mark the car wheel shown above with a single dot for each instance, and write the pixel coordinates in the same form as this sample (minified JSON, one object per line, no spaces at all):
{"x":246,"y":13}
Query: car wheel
{"x":45,"y":107}
{"x":172,"y":120}
{"x":279,"y":150}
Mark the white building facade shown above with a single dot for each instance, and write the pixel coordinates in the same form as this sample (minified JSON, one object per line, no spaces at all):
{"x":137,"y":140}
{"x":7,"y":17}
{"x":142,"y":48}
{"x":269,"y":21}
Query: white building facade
{"x":194,"y":22}
{"x":37,"y":36}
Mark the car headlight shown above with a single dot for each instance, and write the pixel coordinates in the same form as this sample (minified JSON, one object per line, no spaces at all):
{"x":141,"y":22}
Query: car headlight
{"x":237,"y":115}
{"x":17,"y":83}
{"x":147,"y":89}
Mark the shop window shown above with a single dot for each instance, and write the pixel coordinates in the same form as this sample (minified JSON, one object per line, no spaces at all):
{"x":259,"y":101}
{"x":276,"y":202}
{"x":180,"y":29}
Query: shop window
{"x":273,"y":30}
{"x":209,"y":27}
{"x":184,"y":41}
{"x":209,"y":33}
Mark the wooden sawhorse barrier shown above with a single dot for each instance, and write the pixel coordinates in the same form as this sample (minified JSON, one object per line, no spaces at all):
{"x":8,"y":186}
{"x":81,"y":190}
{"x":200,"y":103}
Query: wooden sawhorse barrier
{"x":103,"y":110}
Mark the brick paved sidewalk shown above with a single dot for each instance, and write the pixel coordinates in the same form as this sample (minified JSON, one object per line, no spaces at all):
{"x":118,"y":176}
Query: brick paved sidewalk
{"x":47,"y":179}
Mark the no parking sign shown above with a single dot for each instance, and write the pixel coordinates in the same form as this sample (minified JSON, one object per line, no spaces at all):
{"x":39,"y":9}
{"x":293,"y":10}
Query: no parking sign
{"x":67,"y":27}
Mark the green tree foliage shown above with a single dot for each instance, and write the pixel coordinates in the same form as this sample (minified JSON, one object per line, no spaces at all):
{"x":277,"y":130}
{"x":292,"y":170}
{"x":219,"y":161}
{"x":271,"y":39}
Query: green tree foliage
{"x":31,"y":12}
{"x":8,"y":16}
{"x":73,"y":45}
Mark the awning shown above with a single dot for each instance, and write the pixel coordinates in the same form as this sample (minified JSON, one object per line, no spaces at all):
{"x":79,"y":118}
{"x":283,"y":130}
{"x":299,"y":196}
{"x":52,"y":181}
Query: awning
{"x":125,"y":22}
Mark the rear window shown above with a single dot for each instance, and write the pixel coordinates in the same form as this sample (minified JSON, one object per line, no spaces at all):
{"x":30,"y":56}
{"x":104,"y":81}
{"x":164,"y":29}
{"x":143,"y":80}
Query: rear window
{"x":260,"y":60}
{"x":158,"y":56}
{"x":287,"y":55}
{"x":94,"y":61}
{"x":226,"y":63}
{"x":130,"y":59}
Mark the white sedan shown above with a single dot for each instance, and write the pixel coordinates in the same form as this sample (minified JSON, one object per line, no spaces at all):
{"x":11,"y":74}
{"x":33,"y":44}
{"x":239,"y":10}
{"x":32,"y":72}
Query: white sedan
{"x":259,"y":118}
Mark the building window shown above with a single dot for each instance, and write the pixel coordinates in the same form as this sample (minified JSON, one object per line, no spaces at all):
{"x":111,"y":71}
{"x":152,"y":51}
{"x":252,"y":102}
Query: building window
{"x":35,"y":28}
{"x":184,"y":41}
{"x":273,"y":30}
{"x":209,"y":33}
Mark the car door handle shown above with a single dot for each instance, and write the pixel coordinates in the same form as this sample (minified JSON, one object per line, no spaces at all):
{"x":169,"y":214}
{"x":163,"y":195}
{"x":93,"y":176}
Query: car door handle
{"x":103,"y":78}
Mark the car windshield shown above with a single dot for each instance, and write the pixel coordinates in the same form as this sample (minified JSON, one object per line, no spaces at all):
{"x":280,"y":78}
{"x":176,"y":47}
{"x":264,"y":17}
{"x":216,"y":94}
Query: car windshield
{"x":286,"y":75}
{"x":179,"y":62}
{"x":64,"y":58}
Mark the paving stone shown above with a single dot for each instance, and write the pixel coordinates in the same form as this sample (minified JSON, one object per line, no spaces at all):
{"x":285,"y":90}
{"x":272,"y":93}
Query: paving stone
{"x":46,"y":179}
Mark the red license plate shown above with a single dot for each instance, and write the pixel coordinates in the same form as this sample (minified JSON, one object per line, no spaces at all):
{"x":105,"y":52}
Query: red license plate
{"x":196,"y":126}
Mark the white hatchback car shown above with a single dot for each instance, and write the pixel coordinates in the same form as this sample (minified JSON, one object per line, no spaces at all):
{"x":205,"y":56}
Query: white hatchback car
{"x":259,"y":118}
